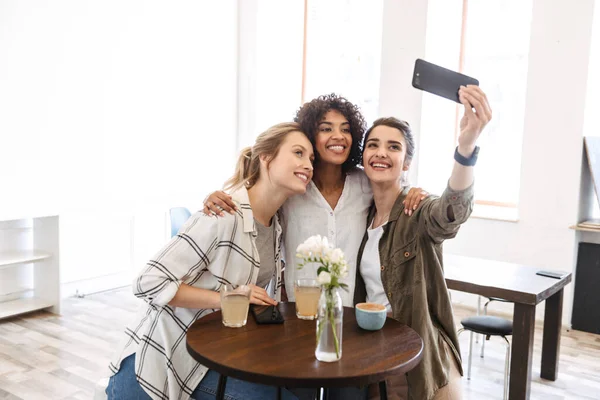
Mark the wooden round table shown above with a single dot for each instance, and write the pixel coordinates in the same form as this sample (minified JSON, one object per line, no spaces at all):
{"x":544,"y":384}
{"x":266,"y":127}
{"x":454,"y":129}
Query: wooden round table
{"x":284,"y":355}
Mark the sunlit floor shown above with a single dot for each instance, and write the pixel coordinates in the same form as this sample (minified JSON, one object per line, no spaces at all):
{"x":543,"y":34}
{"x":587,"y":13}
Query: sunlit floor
{"x":45,"y":356}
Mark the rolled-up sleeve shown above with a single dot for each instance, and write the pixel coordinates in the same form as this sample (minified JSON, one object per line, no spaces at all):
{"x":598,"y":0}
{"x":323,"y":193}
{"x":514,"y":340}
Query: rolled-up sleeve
{"x":442,"y":216}
{"x":185,"y":256}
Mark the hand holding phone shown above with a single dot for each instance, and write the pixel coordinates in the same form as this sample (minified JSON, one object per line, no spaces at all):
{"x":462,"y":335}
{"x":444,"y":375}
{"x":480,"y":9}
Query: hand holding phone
{"x":459,"y":88}
{"x":440,"y":81}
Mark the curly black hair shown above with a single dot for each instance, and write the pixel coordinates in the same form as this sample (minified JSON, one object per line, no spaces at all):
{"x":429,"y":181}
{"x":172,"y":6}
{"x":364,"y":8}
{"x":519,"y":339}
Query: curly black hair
{"x":311,"y":114}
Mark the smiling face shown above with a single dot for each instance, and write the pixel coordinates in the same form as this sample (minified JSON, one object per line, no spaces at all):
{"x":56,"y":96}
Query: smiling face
{"x":291,"y":169}
{"x":384,"y":156}
{"x":333,"y":140}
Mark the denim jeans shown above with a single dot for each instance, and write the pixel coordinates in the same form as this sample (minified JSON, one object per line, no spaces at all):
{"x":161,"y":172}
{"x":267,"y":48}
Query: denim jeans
{"x":124,"y":386}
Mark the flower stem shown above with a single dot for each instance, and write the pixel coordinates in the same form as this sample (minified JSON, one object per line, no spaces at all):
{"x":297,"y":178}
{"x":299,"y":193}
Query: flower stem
{"x":332,"y":322}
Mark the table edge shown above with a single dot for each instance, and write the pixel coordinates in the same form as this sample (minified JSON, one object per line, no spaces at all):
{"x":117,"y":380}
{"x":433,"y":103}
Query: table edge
{"x":354,"y":381}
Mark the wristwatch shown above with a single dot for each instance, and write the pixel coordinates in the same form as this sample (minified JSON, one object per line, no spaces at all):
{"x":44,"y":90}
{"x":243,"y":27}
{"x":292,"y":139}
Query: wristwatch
{"x":467,"y":162}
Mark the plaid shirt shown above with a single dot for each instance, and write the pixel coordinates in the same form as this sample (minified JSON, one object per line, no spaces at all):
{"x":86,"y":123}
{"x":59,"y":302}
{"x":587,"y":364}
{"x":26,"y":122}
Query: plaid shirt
{"x":207,"y":252}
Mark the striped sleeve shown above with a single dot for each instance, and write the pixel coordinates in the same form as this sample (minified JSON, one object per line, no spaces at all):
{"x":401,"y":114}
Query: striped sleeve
{"x":186,"y":256}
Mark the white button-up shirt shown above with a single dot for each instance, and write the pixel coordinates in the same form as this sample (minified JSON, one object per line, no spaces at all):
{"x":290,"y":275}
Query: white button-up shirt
{"x":309,"y":214}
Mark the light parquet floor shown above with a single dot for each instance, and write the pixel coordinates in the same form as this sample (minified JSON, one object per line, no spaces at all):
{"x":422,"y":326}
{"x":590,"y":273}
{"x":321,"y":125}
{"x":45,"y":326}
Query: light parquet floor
{"x":45,"y":356}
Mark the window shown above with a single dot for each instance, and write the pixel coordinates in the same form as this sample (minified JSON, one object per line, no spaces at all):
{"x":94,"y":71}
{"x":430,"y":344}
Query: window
{"x":471,"y":36}
{"x":342,"y":51}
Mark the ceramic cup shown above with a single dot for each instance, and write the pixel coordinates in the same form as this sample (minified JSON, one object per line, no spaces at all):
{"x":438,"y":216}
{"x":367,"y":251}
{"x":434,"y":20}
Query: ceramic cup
{"x":370,"y":316}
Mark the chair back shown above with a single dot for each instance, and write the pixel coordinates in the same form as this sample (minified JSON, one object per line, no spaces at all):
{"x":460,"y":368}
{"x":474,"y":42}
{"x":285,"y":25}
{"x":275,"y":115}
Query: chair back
{"x":178,"y":217}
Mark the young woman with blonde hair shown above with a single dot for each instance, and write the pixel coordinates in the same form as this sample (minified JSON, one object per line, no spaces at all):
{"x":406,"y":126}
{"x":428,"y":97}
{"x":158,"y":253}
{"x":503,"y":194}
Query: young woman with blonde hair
{"x":181,"y":283}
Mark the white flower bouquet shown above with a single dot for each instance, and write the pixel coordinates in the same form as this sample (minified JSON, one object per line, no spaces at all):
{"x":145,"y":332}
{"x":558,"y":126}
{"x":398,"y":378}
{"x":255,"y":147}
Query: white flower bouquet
{"x":331,"y":268}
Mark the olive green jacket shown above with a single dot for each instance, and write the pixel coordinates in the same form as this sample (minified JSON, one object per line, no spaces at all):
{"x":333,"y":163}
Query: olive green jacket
{"x":412,"y":273}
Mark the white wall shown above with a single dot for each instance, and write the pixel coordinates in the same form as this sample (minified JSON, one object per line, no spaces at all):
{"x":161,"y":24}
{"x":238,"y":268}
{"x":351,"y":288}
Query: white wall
{"x":111,"y":112}
{"x":552,"y":143}
{"x":270,"y":64}
{"x":404,"y":41}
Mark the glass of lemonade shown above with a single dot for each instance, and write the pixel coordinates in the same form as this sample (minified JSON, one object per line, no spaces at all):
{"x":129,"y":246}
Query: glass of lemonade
{"x":235,"y":300}
{"x":307,"y":293}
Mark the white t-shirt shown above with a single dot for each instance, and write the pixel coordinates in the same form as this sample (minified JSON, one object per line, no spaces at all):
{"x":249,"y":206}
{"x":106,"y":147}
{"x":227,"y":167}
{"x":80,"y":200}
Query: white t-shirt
{"x":309,"y":214}
{"x":370,"y":269}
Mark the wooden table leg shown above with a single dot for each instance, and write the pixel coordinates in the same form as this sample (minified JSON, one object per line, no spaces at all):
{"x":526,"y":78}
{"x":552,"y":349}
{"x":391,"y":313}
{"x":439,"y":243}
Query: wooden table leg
{"x":382,"y":390}
{"x":221,"y":387}
{"x":522,"y":351}
{"x":551,"y":343}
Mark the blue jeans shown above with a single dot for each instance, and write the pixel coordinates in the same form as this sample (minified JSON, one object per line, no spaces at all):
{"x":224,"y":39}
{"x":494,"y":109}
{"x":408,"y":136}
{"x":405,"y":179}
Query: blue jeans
{"x":124,"y":386}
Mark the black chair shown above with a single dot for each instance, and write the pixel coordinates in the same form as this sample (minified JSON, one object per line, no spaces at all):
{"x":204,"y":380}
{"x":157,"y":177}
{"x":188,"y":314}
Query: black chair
{"x":490,"y":299}
{"x":489,"y":326}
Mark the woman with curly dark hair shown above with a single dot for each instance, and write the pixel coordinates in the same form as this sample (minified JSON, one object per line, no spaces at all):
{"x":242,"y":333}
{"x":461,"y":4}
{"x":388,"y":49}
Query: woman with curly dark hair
{"x":316,"y":116}
{"x":337,"y":201}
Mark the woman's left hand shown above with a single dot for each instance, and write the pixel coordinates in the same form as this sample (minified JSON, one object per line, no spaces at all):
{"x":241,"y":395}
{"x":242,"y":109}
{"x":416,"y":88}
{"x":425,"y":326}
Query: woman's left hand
{"x":413,"y":199}
{"x":472,"y":122}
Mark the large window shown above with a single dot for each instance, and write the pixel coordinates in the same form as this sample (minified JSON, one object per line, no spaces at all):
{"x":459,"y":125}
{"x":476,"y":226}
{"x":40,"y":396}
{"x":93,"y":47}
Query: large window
{"x":342,"y":51}
{"x":489,"y":40}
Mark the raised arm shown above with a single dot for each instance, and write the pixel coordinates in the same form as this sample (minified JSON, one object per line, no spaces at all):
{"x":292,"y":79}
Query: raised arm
{"x":471,"y":126}
{"x":441,"y":217}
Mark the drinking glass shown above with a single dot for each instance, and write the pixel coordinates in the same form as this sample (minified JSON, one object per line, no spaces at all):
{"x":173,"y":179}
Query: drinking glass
{"x":235,"y":300}
{"x":307,"y":293}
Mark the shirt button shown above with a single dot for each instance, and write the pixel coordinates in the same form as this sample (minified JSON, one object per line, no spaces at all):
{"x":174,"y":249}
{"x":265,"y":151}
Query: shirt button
{"x":331,"y":213}
{"x":406,"y":254}
{"x":454,"y":197}
{"x":389,"y":295}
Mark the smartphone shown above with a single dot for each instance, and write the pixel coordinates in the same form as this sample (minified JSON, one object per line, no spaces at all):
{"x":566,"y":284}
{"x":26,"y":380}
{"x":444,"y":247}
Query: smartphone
{"x":439,"y":81}
{"x":266,"y":314}
{"x":551,"y":274}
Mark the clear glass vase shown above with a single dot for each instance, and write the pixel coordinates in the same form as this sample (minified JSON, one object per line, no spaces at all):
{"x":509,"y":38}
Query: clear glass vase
{"x":329,"y":326}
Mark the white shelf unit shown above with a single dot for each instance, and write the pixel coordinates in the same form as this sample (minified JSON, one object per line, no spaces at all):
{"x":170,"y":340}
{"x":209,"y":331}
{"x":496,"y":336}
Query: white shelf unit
{"x":44,"y":256}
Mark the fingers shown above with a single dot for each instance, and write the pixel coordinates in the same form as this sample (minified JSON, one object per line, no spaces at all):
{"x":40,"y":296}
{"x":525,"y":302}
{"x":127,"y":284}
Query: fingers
{"x":483,"y":98}
{"x":469,"y":102}
{"x":413,"y":199}
{"x":224,"y":201}
{"x":259,"y":296}
{"x":211,"y":208}
{"x":478,"y":99}
{"x":217,"y":202}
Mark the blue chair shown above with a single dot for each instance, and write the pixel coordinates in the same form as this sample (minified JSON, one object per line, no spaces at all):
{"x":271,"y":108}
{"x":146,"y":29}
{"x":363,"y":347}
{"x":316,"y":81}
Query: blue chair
{"x":178,"y":217}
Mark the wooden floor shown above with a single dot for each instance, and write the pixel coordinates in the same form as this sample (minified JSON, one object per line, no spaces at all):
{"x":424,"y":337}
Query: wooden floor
{"x":44,"y":356}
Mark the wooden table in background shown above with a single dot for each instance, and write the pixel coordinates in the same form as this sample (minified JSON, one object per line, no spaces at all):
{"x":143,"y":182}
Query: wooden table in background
{"x":518,"y":284}
{"x":283,"y":355}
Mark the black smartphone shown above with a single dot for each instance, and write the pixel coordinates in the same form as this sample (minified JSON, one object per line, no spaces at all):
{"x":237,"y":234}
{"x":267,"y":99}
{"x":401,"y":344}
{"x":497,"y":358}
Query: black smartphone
{"x":439,"y":80}
{"x":551,"y":274}
{"x":266,"y":314}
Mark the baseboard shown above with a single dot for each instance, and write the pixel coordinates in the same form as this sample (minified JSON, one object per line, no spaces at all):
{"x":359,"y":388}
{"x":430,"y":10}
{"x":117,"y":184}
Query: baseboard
{"x":95,"y":285}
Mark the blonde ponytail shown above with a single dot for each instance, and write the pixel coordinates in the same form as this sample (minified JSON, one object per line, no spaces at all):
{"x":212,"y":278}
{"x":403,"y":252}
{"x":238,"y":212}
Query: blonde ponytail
{"x":243,"y":171}
{"x":247,"y":170}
